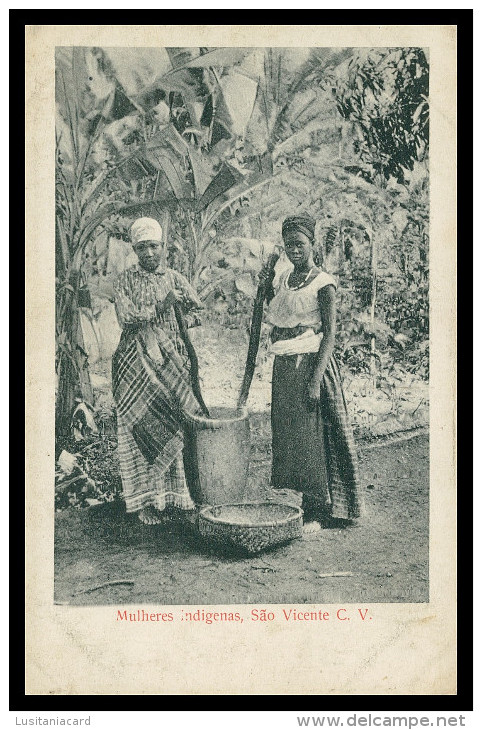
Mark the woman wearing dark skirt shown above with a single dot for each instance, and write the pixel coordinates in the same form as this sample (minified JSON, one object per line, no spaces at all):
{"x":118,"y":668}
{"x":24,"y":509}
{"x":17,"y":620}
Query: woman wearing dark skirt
{"x":313,"y":446}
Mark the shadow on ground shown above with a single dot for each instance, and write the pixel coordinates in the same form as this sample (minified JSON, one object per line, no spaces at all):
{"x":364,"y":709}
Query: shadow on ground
{"x":103,"y":556}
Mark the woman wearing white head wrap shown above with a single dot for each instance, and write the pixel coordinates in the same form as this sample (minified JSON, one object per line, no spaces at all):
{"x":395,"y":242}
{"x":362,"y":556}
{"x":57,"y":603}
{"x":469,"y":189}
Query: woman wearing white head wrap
{"x":145,"y":229}
{"x":150,"y":378}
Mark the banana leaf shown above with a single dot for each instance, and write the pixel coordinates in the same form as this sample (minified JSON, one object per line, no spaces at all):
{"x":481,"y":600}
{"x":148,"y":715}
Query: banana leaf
{"x":225,"y":179}
{"x":217,"y":57}
{"x":137,"y":68}
{"x":166,"y":160}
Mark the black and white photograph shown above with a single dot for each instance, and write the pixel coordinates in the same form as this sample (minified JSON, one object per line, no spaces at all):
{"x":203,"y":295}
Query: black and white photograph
{"x":242,"y":324}
{"x":241,"y":381}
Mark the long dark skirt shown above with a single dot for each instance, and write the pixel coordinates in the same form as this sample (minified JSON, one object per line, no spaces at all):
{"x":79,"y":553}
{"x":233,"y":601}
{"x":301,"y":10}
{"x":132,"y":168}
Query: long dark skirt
{"x":313,"y":449}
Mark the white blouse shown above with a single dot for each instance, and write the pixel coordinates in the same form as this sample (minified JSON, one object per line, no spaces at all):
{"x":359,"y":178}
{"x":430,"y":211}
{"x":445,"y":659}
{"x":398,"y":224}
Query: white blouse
{"x":293,"y":307}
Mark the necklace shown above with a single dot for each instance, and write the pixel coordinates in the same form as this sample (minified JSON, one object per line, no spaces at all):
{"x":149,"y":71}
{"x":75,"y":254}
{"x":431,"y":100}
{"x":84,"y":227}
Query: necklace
{"x":294,"y":288}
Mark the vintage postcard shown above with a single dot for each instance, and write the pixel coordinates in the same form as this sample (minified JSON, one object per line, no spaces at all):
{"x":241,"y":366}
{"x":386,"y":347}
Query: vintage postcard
{"x":241,"y":360}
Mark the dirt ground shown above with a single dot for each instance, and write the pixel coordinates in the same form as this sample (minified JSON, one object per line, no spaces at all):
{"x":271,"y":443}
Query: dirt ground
{"x":386,"y":554}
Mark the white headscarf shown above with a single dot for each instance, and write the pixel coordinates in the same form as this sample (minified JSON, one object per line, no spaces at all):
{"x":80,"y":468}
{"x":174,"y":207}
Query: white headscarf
{"x":145,"y":229}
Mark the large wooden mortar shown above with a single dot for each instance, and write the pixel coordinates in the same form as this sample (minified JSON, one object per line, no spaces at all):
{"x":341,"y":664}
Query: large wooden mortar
{"x":217,"y":456}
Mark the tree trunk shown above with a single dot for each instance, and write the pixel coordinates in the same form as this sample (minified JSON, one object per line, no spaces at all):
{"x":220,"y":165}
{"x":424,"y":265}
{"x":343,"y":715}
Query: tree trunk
{"x":65,"y":404}
{"x":82,"y":361}
{"x":73,"y":373}
{"x":68,"y":384}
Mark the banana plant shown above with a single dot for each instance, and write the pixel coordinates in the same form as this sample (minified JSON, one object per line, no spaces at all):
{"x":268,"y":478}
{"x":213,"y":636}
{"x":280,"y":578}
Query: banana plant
{"x":96,"y":163}
{"x":235,"y":115}
{"x":85,"y":199}
{"x":208,"y":129}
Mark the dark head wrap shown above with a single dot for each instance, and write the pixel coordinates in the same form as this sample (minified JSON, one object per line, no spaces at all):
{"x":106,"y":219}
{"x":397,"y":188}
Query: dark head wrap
{"x":303,"y":223}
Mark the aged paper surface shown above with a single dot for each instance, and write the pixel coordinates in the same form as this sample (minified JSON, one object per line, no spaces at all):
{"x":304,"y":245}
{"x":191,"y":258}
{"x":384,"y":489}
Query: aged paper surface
{"x":406,"y":648}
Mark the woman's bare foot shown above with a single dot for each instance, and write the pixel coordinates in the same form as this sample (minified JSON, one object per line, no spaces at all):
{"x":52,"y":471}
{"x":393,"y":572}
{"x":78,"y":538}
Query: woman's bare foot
{"x":151,"y":516}
{"x":311,"y":529}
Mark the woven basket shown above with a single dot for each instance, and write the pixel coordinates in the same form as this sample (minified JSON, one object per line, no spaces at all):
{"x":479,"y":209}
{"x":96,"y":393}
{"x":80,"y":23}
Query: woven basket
{"x":252,"y":526}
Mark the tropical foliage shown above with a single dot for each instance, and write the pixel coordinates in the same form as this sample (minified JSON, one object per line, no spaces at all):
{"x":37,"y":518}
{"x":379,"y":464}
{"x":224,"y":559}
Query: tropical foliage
{"x":220,"y":144}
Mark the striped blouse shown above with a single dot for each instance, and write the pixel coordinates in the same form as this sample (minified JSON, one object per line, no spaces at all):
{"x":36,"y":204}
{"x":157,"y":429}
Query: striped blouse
{"x":136,"y":292}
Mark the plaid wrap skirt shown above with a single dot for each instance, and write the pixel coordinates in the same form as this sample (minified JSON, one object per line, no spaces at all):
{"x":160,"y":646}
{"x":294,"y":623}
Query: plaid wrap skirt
{"x":152,"y":392}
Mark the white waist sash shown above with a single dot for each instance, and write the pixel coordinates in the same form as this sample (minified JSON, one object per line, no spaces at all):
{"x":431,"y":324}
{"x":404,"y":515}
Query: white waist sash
{"x":308,"y":341}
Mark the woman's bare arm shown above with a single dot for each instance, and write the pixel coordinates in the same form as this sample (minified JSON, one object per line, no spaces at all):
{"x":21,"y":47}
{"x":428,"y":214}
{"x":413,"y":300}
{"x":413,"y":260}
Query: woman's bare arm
{"x":326,"y":301}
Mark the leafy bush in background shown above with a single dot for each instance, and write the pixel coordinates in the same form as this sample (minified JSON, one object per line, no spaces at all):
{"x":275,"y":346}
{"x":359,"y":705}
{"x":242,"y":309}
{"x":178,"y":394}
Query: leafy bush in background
{"x":220,"y":145}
